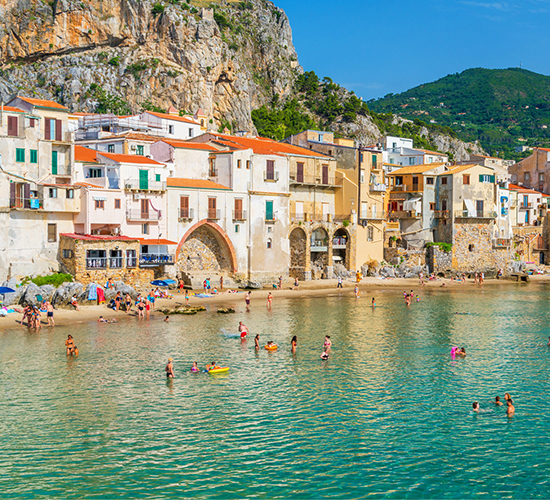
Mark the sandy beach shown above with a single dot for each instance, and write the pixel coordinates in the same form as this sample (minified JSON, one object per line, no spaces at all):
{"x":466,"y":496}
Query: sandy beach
{"x":368,"y":287}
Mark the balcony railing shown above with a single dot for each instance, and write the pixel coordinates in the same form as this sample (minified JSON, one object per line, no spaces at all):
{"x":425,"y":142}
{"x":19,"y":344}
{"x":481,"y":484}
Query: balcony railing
{"x":214,"y":214}
{"x":239,"y":215}
{"x":96,"y":263}
{"x":270,"y":217}
{"x":318,"y":245}
{"x":399,"y":187}
{"x":116,"y":262}
{"x":502,"y":243}
{"x":137,"y":214}
{"x":378,"y":187}
{"x":142,"y":185}
{"x":339,"y":242}
{"x":311,"y":217}
{"x":313,"y":180}
{"x":186,"y":214}
{"x":376,"y":216}
{"x":27,"y":203}
{"x":405,"y":214}
{"x":341,"y":218}
{"x":477,"y":214}
{"x":441,"y":214}
{"x":155,"y":259}
{"x":271,"y":176}
{"x":526,"y":205}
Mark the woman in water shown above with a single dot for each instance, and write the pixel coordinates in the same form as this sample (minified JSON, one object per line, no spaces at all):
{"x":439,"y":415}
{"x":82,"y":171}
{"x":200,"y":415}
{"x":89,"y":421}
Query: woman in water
{"x":269,"y":300}
{"x":294,"y":343}
{"x":373,"y":303}
{"x":169,"y":369}
{"x":257,"y":341}
{"x":128,"y":301}
{"x":69,"y":344}
{"x":327,"y":345}
{"x":194,"y":368}
{"x":475,"y":407}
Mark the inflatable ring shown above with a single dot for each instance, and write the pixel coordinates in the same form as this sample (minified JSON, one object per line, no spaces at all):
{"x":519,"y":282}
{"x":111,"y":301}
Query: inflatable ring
{"x":222,"y":369}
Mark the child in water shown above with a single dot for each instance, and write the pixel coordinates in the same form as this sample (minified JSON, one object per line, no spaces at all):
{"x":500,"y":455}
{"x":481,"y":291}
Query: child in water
{"x":194,"y":368}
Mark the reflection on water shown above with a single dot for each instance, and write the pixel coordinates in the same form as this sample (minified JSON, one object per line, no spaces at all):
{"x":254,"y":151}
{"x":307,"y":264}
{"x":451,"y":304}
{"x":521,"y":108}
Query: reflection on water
{"x":387,"y":415}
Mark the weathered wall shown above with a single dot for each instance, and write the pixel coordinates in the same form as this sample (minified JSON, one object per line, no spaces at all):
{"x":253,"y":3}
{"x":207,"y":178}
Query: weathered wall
{"x":203,"y":252}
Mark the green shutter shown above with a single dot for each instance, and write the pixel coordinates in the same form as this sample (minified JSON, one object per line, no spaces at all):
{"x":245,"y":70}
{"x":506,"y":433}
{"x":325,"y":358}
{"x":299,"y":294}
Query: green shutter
{"x":268,"y":210}
{"x":20,"y":155}
{"x":34,"y":156}
{"x":373,"y":161}
{"x":493,"y":179}
{"x":144,"y":179}
{"x":157,"y":177}
{"x":140,"y":150}
{"x":54,"y":162}
{"x":480,"y":177}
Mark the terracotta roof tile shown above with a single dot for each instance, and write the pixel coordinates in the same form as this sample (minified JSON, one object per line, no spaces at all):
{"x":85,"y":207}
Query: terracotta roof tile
{"x":166,"y":116}
{"x":156,"y":241}
{"x":416,"y":169}
{"x":189,"y":145}
{"x":45,"y":103}
{"x":120,"y":158}
{"x":194,"y":183}
{"x":97,"y":237}
{"x":12,"y":109}
{"x":522,"y":189}
{"x":85,"y":155}
{"x":87,"y":184}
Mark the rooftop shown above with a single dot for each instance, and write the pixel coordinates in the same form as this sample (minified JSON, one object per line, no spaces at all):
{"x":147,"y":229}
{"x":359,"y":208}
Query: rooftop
{"x":416,"y":169}
{"x":188,"y":145}
{"x":44,"y":103}
{"x":522,"y":189}
{"x":194,"y":183}
{"x":12,"y":109}
{"x":156,"y":241}
{"x":85,"y":155}
{"x":121,"y":158}
{"x":97,"y":237}
{"x":166,"y":116}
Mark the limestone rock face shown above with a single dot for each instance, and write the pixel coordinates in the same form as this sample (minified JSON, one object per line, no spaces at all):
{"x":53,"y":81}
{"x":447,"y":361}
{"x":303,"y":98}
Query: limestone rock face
{"x":227,"y":63}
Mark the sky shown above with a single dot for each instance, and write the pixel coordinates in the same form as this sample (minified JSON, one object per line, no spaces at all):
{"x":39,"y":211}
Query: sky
{"x":377,"y":47}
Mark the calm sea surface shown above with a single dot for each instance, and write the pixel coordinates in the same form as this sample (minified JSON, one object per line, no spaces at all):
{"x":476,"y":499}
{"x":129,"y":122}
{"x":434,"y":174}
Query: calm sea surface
{"x":387,"y":416}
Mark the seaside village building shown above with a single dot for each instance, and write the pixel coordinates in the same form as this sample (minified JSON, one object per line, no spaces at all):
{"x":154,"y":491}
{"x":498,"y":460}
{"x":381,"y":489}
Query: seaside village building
{"x":38,"y":199}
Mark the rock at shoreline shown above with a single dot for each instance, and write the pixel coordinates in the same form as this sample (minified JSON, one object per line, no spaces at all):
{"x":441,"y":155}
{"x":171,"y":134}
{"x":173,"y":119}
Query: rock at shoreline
{"x":64,"y":293}
{"x":226,"y":310}
{"x":182,"y":310}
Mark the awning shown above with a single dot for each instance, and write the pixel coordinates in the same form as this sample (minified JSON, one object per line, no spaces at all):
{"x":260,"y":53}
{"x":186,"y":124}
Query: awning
{"x":156,"y":241}
{"x":413,"y":204}
{"x":99,"y":198}
{"x":470,"y":208}
{"x":336,"y":257}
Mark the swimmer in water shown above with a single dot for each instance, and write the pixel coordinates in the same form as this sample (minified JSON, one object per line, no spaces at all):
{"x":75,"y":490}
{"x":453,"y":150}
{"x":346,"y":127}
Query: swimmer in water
{"x":243,"y":330}
{"x":324,"y":355}
{"x":461,"y":352}
{"x":548,"y":341}
{"x":194,"y":368}
{"x":475,"y":407}
{"x":510,"y":410}
{"x":69,"y":343}
{"x":257,"y":341}
{"x":507,"y":396}
{"x":293,"y":344}
{"x":498,"y":402}
{"x":169,"y":369}
{"x":167,"y":319}
{"x":327,"y":346}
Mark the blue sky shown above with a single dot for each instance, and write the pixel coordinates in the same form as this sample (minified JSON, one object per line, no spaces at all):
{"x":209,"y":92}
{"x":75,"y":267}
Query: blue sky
{"x":375,"y":47}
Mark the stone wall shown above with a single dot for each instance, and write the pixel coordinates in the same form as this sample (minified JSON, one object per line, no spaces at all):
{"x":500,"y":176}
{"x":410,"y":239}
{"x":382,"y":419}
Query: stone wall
{"x":202,"y":252}
{"x":298,"y":254}
{"x":526,"y":243}
{"x":440,"y":262}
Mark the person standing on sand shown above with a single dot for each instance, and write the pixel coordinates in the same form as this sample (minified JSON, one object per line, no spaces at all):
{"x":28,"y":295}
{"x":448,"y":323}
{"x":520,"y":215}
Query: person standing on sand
{"x":169,"y":369}
{"x":181,"y":285}
{"x":481,"y":278}
{"x":339,"y":285}
{"x":186,"y":297}
{"x":373,"y":303}
{"x":475,"y":278}
{"x":269,"y":300}
{"x":280,"y":283}
{"x":128,"y":301}
{"x":221,"y":283}
{"x":49,"y":313}
{"x":247,"y":300}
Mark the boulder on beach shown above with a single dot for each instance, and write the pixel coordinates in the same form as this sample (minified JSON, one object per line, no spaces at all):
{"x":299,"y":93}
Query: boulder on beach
{"x":226,"y":310}
{"x":182,"y":310}
{"x":63,"y":294}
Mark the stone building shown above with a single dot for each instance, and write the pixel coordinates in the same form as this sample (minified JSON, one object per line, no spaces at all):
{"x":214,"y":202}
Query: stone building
{"x":95,"y":258}
{"x":533,"y":172}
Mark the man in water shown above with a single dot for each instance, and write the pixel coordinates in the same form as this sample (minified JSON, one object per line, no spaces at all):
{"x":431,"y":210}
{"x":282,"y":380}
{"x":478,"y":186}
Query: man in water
{"x":169,"y":369}
{"x":510,"y":410}
{"x":475,"y":407}
{"x":243,"y":330}
{"x":498,"y":402}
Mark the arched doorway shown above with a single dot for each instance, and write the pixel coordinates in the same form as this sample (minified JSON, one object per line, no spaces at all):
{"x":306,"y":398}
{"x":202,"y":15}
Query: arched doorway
{"x":205,"y":248}
{"x":298,"y":246}
{"x":319,"y":252}
{"x":340,"y":247}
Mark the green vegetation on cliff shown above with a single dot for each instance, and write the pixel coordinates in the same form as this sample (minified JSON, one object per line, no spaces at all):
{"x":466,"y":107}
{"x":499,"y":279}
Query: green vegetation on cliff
{"x":501,"y":108}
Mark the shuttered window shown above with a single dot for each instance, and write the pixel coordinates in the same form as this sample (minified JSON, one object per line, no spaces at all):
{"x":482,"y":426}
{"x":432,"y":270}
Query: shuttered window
{"x":34,"y":156}
{"x":184,"y":207}
{"x":54,"y":162}
{"x":20,"y":155}
{"x":52,"y":233}
{"x":12,"y":126}
{"x":268,"y":210}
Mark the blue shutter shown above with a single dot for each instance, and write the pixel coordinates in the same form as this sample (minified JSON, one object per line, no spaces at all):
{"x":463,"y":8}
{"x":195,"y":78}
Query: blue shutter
{"x":54,"y":162}
{"x":268,"y":210}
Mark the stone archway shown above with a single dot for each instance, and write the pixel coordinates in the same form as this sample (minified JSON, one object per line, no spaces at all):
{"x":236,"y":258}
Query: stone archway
{"x":341,"y":241}
{"x":206,"y":247}
{"x":319,"y":247}
{"x":298,"y":255}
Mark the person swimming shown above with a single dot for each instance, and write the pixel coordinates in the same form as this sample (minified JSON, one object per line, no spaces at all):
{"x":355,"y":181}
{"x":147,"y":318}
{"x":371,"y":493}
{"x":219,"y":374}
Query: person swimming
{"x":475,"y":407}
{"x":169,"y":369}
{"x":498,"y":402}
{"x":195,"y":368}
{"x":510,"y":410}
{"x":324,"y":355}
{"x":212,"y":366}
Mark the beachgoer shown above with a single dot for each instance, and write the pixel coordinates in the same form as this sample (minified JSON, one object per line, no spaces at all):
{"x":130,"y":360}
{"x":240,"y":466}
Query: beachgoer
{"x":475,"y":407}
{"x":269,"y":300}
{"x":102,"y":320}
{"x":373,"y":303}
{"x":510,"y":410}
{"x":243,"y":330}
{"x":296,"y":284}
{"x":507,"y":396}
{"x":69,"y":344}
{"x":194,"y":368}
{"x":167,"y":319}
{"x":128,"y":301}
{"x":151,"y":298}
{"x":148,"y":307}
{"x":169,"y":369}
{"x":339,"y":285}
{"x":421,"y":278}
{"x":548,"y":341}
{"x":356,"y":291}
{"x":208,"y":284}
{"x":475,"y":278}
{"x":481,"y":278}
{"x":221,"y":283}
{"x":204,"y":286}
{"x":280,"y":282}
{"x":141,"y":309}
{"x":328,"y":344}
{"x":109,"y":284}
{"x":324,"y":355}
{"x":247,"y":300}
{"x":498,"y":402}
{"x":213,"y":366}
{"x":49,"y":313}
{"x":118,"y":299}
{"x":74,"y":302}
{"x":257,"y":341}
{"x":186,"y":297}
{"x":181,"y":285}
{"x":358,"y":276}
{"x":294,"y":343}
{"x":463,"y":278}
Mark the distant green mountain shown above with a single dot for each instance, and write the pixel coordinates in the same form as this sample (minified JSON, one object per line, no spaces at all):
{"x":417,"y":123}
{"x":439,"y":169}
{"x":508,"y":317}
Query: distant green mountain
{"x":499,"y":107}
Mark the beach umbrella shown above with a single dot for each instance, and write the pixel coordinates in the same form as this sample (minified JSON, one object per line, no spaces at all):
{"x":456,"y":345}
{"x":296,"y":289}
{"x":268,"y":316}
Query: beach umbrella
{"x":5,"y":289}
{"x":163,"y":282}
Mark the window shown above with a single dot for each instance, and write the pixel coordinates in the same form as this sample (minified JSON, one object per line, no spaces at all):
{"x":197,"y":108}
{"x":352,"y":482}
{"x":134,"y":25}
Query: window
{"x":374,"y":160}
{"x":270,"y":170}
{"x":212,"y":162}
{"x":111,"y":148}
{"x":444,"y":205}
{"x":411,"y":161}
{"x":13,"y":126}
{"x":398,"y":180}
{"x":364,"y":209}
{"x":96,"y":259}
{"x":170,"y":129}
{"x":479,"y":208}
{"x":238,"y":215}
{"x":34,"y":156}
{"x":541,"y":177}
{"x":139,"y":150}
{"x":361,"y":157}
{"x":466,"y":179}
{"x":145,"y":228}
{"x":212,"y":212}
{"x":52,"y":233}
{"x":32,"y":122}
{"x":99,"y":204}
{"x":131,"y":260}
{"x":526,"y":176}
{"x":190,"y":132}
{"x":95,"y":172}
{"x":20,"y":155}
{"x":269,"y":229}
{"x":70,"y":194}
{"x":269,"y":210}
{"x":184,"y":207}
{"x":237,"y":228}
{"x":117,"y":203}
{"x":52,"y":129}
{"x":432,"y":206}
{"x":53,"y":193}
{"x":430,"y":181}
{"x":116,"y":259}
{"x":67,"y":254}
{"x":248,"y":164}
{"x":362,"y":177}
{"x":269,"y":243}
{"x":54,"y":162}
{"x":299,"y":172}
{"x":415,"y":182}
{"x":487,"y":178}
{"x":238,"y":163}
{"x":370,"y":233}
{"x":444,"y":180}
{"x":157,"y":177}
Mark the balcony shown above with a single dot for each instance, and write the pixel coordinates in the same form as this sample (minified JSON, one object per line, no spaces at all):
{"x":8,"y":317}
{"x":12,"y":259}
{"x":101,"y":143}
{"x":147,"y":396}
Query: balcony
{"x":214,"y":214}
{"x":65,"y":139}
{"x":313,"y":180}
{"x":374,"y":216}
{"x":341,"y":218}
{"x":339,"y":243}
{"x":144,"y":185}
{"x":61,"y":170}
{"x":441,"y":214}
{"x":186,"y":214}
{"x":378,"y":187}
{"x":239,"y":215}
{"x":27,"y":203}
{"x":405,"y":214}
{"x":137,"y":214}
{"x":526,"y":206}
{"x":318,"y":245}
{"x":270,"y":218}
{"x":105,"y":182}
{"x":478,"y":214}
{"x":399,"y":187}
{"x":502,"y":243}
{"x":156,"y":259}
{"x":296,"y":217}
{"x":271,"y":176}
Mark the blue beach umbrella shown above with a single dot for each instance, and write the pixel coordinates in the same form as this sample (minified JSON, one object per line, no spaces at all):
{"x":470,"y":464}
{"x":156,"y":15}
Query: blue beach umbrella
{"x":163,"y":282}
{"x":5,"y":289}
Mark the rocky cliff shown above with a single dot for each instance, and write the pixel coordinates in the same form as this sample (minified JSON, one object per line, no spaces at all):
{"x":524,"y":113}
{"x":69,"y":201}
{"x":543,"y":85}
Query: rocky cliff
{"x":227,"y":61}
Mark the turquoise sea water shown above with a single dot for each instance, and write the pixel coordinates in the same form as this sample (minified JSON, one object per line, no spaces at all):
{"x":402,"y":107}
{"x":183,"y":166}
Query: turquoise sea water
{"x":387,"y":416}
